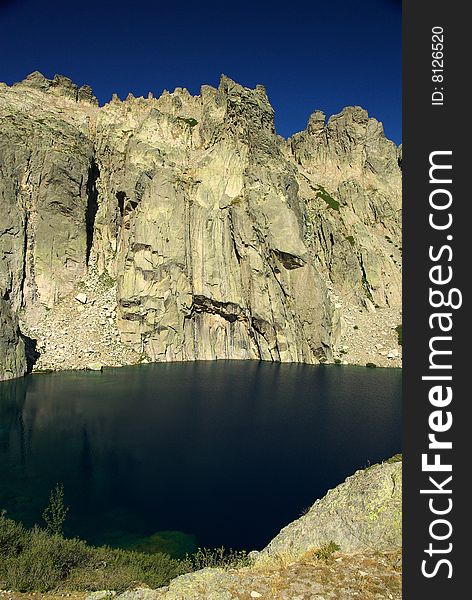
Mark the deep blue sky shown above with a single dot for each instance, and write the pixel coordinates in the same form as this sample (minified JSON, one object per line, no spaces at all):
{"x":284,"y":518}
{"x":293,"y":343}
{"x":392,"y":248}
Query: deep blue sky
{"x":309,"y":55}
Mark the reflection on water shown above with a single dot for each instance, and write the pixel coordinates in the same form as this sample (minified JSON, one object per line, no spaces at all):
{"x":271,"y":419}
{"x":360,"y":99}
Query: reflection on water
{"x":228,"y":451}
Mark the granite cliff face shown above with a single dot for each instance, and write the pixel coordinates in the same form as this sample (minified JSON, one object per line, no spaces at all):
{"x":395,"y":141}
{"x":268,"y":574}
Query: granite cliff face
{"x":187,"y":228}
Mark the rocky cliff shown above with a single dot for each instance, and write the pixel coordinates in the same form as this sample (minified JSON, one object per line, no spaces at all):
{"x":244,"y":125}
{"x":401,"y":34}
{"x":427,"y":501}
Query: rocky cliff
{"x":184,"y":228}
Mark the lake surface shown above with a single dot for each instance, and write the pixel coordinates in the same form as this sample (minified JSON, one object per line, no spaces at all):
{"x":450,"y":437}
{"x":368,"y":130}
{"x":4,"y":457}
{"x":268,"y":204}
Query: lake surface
{"x":213,"y":453}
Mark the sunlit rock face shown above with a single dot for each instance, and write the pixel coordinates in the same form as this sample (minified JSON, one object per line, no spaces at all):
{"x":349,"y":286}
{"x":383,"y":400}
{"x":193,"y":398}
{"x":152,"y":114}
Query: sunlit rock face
{"x":222,"y":239}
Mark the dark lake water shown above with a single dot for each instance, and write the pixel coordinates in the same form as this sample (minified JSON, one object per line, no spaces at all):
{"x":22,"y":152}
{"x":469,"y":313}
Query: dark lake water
{"x":213,"y":453}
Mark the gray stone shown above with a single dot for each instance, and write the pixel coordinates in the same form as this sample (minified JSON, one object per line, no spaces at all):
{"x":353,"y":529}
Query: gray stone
{"x":363,"y":513}
{"x":219,"y":239}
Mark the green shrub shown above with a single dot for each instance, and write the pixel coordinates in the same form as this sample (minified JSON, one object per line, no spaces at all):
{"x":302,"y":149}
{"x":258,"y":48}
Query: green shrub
{"x":55,"y":513}
{"x":371,"y":365}
{"x":36,"y":560}
{"x":330,"y":201}
{"x":29,"y":572}
{"x":190,"y":121}
{"x":327,"y":550}
{"x":218,"y":557}
{"x":12,"y":537}
{"x":350,"y":239}
{"x":115,"y":569}
{"x":106,"y":280}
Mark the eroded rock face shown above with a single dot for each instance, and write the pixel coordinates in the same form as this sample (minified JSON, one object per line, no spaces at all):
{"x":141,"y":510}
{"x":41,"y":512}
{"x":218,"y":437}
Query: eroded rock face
{"x":359,"y":239}
{"x":45,"y":163}
{"x":223,"y":240}
{"x":12,"y":347}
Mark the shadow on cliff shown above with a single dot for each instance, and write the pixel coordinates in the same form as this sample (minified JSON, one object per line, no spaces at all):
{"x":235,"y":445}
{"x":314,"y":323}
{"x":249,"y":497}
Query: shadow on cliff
{"x":31,"y":352}
{"x":92,"y":206}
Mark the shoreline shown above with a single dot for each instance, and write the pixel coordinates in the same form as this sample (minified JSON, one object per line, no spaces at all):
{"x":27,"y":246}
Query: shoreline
{"x":76,"y":335}
{"x":181,"y":362}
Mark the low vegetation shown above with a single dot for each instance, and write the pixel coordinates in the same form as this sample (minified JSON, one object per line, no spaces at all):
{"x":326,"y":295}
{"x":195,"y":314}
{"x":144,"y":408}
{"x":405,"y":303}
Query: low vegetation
{"x":55,"y":513}
{"x":106,"y":280}
{"x":42,"y":560}
{"x":326,"y":551}
{"x":218,"y":557}
{"x":330,"y":201}
{"x":399,"y":330}
{"x":190,"y":121}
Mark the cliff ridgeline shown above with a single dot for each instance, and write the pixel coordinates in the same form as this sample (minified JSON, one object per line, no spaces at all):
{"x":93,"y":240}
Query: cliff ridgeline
{"x":185,"y":228}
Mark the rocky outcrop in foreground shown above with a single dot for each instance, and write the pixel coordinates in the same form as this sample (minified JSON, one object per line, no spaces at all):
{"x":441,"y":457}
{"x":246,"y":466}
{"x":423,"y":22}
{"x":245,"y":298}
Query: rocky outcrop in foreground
{"x":192,"y":229}
{"x":363,"y":515}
